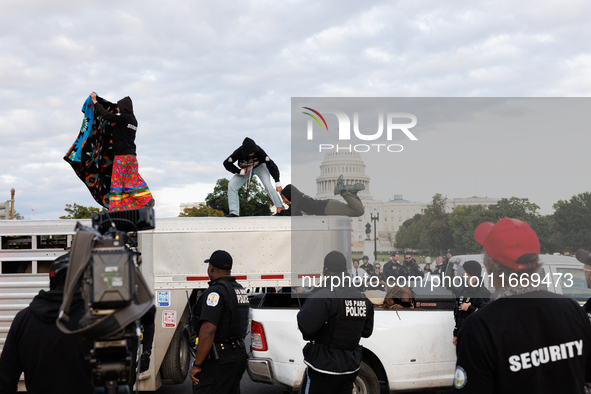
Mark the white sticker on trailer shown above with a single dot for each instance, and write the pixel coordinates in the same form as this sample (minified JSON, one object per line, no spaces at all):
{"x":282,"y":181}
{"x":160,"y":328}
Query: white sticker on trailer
{"x":169,"y":319}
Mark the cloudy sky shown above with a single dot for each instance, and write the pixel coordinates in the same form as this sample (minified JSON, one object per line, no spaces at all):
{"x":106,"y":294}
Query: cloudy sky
{"x":534,"y":147}
{"x":204,"y":75}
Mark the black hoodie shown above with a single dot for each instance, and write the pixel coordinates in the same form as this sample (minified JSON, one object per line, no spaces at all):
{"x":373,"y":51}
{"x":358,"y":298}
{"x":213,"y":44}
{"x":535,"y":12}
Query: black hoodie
{"x":53,"y":362}
{"x":301,"y":203}
{"x":241,"y":157}
{"x":125,"y":126}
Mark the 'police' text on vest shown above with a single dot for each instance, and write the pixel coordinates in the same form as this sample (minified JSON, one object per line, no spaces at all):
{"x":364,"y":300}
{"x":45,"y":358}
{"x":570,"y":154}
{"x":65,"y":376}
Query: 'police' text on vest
{"x":355,"y":308}
{"x":241,"y":295}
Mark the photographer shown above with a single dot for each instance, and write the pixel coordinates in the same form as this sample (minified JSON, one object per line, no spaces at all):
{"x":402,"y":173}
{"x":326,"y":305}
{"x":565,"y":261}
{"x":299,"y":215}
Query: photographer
{"x":53,"y":362}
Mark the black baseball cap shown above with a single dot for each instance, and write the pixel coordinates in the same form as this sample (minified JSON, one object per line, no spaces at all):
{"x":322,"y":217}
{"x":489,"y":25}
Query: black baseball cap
{"x":365,"y":257}
{"x":220,"y":259}
{"x":473,"y":268}
{"x":335,"y":261}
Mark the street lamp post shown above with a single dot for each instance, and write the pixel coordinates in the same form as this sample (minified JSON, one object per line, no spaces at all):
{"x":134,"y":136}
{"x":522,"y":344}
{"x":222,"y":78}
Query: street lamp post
{"x":375,"y":219}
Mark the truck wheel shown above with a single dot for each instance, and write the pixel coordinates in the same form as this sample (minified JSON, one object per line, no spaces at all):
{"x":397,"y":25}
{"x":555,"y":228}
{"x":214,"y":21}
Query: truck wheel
{"x":366,"y":381}
{"x":175,"y":365}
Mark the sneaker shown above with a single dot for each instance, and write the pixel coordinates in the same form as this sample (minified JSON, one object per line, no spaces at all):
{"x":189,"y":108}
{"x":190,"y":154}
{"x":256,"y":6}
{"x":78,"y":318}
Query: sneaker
{"x":151,"y":203}
{"x":353,"y":189}
{"x":339,"y":186}
{"x":232,"y":215}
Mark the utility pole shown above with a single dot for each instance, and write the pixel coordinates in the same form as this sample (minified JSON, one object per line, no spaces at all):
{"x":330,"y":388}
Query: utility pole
{"x":12,"y":204}
{"x":375,"y":237}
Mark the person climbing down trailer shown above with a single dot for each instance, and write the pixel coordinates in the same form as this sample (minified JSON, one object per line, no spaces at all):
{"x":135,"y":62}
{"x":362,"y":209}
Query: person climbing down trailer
{"x":311,"y":206}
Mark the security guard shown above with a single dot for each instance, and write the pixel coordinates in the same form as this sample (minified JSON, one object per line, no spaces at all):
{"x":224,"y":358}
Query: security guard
{"x":527,"y":340}
{"x":222,"y":312}
{"x":334,"y":321}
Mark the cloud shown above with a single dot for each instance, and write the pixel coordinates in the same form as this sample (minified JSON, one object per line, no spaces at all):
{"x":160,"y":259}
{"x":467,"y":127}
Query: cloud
{"x":204,"y":75}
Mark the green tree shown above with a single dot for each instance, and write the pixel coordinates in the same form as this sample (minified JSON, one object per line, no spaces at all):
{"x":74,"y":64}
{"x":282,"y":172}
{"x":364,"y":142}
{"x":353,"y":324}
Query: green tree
{"x":428,"y":231}
{"x":463,"y":221}
{"x":258,"y":204}
{"x":408,"y":235}
{"x":437,"y":234}
{"x":572,"y":220}
{"x":526,"y":211}
{"x":76,"y":211}
{"x":514,"y":207}
{"x":201,"y":211}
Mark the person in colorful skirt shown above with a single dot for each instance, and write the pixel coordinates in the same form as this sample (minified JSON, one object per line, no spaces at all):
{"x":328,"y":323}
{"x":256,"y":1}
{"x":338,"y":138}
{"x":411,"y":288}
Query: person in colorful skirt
{"x":128,"y":188}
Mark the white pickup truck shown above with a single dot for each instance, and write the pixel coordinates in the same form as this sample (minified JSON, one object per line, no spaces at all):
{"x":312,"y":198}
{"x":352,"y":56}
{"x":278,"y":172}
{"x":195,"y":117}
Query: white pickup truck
{"x":409,"y":349}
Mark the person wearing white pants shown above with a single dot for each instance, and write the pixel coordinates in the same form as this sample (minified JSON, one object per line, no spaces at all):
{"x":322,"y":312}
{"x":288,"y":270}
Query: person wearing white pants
{"x":250,"y":156}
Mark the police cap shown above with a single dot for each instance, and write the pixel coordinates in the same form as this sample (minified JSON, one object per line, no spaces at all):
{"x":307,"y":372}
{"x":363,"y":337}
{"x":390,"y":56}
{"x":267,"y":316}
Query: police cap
{"x":335,"y":261}
{"x":220,"y":259}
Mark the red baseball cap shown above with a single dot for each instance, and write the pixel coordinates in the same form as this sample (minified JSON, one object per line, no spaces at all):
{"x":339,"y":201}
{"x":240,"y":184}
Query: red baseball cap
{"x":507,"y":240}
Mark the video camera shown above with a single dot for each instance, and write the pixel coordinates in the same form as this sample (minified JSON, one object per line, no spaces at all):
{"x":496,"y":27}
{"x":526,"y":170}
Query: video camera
{"x":104,"y":261}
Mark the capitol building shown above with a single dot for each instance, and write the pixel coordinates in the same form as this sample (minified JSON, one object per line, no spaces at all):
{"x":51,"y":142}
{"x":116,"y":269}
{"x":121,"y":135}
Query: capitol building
{"x":392,"y":213}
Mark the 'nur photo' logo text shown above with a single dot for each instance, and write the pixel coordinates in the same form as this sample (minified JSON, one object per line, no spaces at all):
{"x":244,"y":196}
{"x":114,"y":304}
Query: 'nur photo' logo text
{"x":344,"y":130}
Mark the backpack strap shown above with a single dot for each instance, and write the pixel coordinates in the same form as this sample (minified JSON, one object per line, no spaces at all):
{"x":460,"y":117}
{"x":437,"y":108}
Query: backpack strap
{"x":116,"y":321}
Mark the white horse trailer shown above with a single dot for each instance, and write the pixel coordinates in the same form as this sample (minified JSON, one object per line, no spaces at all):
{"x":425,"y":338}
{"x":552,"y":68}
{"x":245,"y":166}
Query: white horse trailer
{"x":267,"y":252}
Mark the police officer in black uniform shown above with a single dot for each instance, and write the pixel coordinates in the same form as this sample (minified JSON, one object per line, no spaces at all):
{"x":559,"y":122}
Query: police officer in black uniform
{"x":473,"y":296}
{"x":222,"y":321}
{"x":411,"y":267}
{"x":393,"y":268}
{"x":334,"y":321}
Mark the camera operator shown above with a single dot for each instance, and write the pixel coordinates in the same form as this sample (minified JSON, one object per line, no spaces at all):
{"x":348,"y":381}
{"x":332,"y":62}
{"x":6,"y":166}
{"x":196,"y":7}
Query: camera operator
{"x":223,"y":311}
{"x":115,"y":303}
{"x":53,"y":362}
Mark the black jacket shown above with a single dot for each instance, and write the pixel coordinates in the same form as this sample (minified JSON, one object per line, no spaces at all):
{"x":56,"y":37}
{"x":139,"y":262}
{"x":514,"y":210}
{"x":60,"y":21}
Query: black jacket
{"x":477,"y":296}
{"x":225,"y":304}
{"x":394,"y":269}
{"x":301,"y":203}
{"x":53,"y":362}
{"x":440,"y":269}
{"x":125,"y":126}
{"x":520,"y":344}
{"x":413,"y":269}
{"x":240,"y":157}
{"x":335,"y":321}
